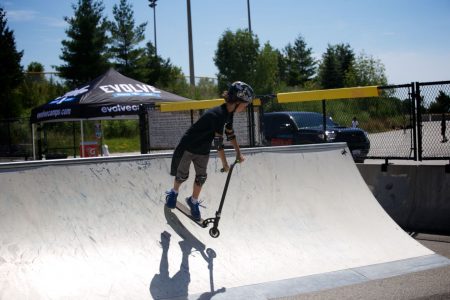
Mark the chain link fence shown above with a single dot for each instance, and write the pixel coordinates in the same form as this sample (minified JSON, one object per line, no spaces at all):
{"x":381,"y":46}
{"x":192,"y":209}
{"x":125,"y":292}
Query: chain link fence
{"x":15,"y":139}
{"x":405,"y":122}
{"x":433,"y":120}
{"x":391,"y":123}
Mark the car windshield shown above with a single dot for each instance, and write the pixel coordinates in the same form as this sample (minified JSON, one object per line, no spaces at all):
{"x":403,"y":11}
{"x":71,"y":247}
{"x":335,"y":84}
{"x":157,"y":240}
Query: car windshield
{"x":311,"y":120}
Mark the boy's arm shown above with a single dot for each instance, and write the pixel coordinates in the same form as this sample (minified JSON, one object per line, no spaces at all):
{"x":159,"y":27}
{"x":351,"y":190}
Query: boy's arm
{"x":239,"y":156}
{"x":221,"y":152}
{"x":229,"y":132}
{"x":225,"y":166}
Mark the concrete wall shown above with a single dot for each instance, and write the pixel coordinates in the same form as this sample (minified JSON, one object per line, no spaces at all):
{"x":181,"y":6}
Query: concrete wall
{"x":417,"y":197}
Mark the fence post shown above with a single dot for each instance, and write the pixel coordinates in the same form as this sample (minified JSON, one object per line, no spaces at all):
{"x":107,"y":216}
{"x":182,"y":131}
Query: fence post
{"x":8,"y":121}
{"x":412,"y":113}
{"x":418,"y":99}
{"x":324,"y":116}
{"x":251,"y":125}
{"x":143,"y":128}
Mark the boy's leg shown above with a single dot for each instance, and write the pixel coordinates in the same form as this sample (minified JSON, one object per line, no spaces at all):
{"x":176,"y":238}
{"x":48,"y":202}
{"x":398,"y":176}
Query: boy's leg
{"x":182,"y":175}
{"x":200,"y":165}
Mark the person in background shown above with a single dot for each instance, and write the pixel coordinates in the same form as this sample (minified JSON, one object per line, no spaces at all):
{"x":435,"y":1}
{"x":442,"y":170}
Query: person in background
{"x":355,"y":123}
{"x":443,"y":129}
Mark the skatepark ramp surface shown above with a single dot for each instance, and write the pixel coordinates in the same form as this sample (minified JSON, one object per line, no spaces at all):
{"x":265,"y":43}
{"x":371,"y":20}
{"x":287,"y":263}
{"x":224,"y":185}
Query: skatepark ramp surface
{"x":295,"y":219}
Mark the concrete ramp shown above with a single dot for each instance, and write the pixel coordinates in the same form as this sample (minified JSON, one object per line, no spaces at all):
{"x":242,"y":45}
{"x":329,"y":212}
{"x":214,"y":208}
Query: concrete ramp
{"x":295,"y":219}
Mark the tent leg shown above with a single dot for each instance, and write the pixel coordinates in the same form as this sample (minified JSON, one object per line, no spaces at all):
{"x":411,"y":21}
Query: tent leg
{"x":82,"y":138}
{"x":32,"y":141}
{"x":74,"y":141}
{"x":39,"y":140}
{"x":143,"y":129}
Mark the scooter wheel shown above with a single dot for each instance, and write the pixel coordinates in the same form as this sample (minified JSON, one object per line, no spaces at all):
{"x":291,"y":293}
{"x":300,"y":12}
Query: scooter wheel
{"x":214,"y":232}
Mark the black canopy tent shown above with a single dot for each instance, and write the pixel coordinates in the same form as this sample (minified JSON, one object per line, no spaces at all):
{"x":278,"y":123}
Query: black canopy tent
{"x":109,"y":96}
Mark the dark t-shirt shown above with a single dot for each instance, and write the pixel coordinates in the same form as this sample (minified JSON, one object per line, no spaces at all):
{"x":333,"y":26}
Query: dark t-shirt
{"x":199,"y":136}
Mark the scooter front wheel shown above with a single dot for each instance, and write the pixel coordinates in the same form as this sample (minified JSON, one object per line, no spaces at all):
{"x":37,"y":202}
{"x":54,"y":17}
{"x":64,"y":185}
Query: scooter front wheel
{"x":214,"y":232}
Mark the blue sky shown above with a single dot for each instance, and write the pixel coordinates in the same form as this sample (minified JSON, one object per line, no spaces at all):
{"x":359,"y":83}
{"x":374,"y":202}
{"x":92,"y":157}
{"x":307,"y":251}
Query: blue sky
{"x":410,"y":37}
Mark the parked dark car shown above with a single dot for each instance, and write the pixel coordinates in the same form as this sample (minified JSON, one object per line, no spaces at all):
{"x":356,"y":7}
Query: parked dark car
{"x":293,"y":128}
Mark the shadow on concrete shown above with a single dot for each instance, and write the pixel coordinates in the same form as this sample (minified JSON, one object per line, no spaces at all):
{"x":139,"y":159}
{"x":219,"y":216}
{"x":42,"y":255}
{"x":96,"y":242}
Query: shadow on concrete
{"x":164,"y":286}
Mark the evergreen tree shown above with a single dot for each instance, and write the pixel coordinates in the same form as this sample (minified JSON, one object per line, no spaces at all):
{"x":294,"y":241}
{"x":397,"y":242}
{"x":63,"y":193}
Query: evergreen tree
{"x":328,"y":70}
{"x":161,"y":73}
{"x":236,"y":57}
{"x":299,"y":62}
{"x":125,"y":39}
{"x":337,"y":61}
{"x":345,"y":57}
{"x":11,"y":74}
{"x":84,"y":52}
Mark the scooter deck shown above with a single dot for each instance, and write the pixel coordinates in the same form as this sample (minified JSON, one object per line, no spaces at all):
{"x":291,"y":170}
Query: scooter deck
{"x":187,"y":212}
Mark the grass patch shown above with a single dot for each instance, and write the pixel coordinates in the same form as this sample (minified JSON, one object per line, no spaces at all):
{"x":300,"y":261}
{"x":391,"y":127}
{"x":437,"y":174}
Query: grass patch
{"x":123,"y":145}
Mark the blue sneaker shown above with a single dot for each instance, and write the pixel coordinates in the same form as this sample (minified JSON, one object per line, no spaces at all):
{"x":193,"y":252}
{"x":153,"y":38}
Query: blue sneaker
{"x":171,"y":199}
{"x":195,"y":210}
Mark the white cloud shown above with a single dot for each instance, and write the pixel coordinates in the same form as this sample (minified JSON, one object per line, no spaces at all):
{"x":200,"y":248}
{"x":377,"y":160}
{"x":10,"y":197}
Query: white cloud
{"x":21,"y":15}
{"x":32,"y":15}
{"x":54,"y":22}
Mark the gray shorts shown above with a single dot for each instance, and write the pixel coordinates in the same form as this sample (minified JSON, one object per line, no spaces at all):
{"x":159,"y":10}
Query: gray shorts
{"x":200,"y":164}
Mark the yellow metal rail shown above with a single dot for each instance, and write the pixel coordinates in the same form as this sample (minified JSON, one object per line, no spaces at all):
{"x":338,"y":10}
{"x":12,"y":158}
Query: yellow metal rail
{"x":331,"y":94}
{"x":195,"y":105}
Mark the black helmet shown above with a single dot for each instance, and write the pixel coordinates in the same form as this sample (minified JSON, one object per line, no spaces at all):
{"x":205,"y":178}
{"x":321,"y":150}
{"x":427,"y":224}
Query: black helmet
{"x":240,"y":92}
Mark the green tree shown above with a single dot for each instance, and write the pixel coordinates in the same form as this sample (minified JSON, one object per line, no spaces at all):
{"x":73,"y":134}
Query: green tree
{"x":84,"y":52}
{"x":125,"y":40}
{"x":11,"y":74}
{"x":161,"y":73}
{"x":345,"y":59}
{"x":206,"y":88}
{"x":366,"y":70}
{"x":300,"y":65}
{"x":441,"y":104}
{"x":35,"y":67}
{"x":236,"y":57}
{"x":336,"y":62}
{"x":35,"y":71}
{"x":266,"y":76}
{"x":328,"y":70}
{"x":36,"y":89}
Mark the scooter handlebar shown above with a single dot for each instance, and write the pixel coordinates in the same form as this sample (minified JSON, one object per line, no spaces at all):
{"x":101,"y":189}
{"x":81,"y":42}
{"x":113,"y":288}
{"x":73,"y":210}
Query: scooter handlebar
{"x":237,"y":161}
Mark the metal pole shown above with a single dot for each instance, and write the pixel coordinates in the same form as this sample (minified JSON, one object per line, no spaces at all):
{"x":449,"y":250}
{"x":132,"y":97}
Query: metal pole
{"x":249,"y":19}
{"x":153,"y":5}
{"x":191,"y":52}
{"x":154,"y":28}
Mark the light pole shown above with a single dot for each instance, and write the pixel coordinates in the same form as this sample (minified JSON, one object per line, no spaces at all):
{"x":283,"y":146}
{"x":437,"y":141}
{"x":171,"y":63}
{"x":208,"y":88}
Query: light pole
{"x":249,"y":21}
{"x":152,"y":4}
{"x":191,"y":51}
